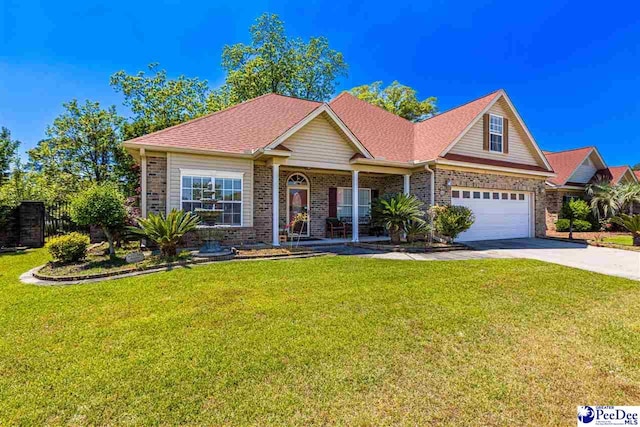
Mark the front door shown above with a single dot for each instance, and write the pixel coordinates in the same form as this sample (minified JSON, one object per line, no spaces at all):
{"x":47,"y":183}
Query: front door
{"x":298,"y":203}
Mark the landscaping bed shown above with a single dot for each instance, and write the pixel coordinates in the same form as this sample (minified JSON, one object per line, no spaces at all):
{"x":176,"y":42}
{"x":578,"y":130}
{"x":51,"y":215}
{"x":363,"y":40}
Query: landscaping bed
{"x":99,"y":265}
{"x":414,"y":247}
{"x":605,"y":240}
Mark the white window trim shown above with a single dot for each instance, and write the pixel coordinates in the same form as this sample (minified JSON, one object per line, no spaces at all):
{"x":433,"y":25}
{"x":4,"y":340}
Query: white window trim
{"x":501,"y":151}
{"x":359,"y":205}
{"x":213,"y":174}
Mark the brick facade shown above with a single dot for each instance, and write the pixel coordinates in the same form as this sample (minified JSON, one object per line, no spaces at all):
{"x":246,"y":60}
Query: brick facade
{"x":491,"y":181}
{"x":420,"y":183}
{"x":156,"y":184}
{"x":554,"y":201}
{"x":319,"y":184}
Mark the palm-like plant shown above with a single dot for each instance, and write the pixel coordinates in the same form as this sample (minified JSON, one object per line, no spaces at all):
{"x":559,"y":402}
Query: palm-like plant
{"x":628,"y":194}
{"x":632,"y":224}
{"x":166,"y":232}
{"x":605,"y":199}
{"x":393,"y":212}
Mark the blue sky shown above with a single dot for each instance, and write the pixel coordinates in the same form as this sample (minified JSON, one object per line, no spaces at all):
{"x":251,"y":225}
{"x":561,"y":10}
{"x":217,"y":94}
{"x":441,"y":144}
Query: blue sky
{"x":570,"y":67}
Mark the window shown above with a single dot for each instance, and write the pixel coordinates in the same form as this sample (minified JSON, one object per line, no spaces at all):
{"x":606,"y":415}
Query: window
{"x":520,"y":196}
{"x":486,"y":195}
{"x":505,"y":196}
{"x":210,"y":192}
{"x":495,"y":133}
{"x":455,"y":194}
{"x":476,"y":194}
{"x":513,"y":196}
{"x":345,"y":202}
{"x":496,"y":196}
{"x":466,"y":194}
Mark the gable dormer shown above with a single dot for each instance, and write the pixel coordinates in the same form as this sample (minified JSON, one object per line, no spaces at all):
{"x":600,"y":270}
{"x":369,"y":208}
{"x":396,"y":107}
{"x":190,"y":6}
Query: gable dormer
{"x":585,"y":172}
{"x":499,"y":134}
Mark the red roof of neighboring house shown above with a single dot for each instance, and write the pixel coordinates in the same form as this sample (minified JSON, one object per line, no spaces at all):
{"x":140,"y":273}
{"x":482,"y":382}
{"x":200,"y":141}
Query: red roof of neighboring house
{"x":617,"y":172}
{"x":564,"y":163}
{"x":256,"y":123}
{"x":244,"y":127}
{"x":637,"y":174}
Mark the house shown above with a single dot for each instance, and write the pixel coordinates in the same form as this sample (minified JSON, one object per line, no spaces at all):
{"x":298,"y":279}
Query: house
{"x":267,"y":159}
{"x":575,"y":169}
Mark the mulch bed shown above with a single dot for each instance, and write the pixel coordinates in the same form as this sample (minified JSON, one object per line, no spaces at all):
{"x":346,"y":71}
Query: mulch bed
{"x":592,"y":239}
{"x":120,"y":270}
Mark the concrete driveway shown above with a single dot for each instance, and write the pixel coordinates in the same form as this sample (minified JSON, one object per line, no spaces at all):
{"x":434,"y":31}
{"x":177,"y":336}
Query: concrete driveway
{"x":614,"y":262}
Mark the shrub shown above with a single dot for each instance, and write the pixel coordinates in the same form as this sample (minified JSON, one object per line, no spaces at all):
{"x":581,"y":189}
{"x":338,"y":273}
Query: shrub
{"x":416,"y":230}
{"x":166,"y":232}
{"x":68,"y":247}
{"x":562,"y":225}
{"x":450,"y":221}
{"x":576,"y":209}
{"x":632,"y":224}
{"x":101,"y":205}
{"x":394,"y":211}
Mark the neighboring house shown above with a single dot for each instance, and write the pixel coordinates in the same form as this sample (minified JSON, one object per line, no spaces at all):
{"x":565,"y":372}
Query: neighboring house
{"x":575,"y":169}
{"x":269,"y":158}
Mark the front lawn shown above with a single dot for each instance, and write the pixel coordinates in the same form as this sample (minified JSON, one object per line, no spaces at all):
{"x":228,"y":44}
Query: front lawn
{"x":337,"y":340}
{"x":620,"y":240}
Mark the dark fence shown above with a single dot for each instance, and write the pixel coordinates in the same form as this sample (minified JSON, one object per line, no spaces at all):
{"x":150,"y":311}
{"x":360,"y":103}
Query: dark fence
{"x":23,"y":225}
{"x":58,"y":220}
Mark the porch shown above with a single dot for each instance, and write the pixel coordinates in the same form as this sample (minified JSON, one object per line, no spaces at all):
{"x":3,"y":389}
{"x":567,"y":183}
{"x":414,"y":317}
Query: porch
{"x":320,"y":194}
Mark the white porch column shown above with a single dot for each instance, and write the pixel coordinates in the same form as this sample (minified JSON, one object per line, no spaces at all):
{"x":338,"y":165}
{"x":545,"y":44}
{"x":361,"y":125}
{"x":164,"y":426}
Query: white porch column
{"x":407,"y":181}
{"x":275,"y":190}
{"x":355,"y":218}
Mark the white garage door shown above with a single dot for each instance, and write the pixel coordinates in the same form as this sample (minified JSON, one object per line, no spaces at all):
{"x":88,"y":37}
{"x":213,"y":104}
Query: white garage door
{"x":499,"y":214}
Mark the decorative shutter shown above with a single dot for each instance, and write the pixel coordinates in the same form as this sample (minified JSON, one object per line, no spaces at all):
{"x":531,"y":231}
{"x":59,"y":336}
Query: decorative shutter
{"x":505,"y":136}
{"x":374,"y":194}
{"x":333,"y":202}
{"x":485,"y":133}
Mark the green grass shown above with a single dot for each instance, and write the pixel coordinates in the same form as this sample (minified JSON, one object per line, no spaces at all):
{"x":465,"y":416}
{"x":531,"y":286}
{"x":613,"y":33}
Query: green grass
{"x":336,"y":340}
{"x":620,"y":240}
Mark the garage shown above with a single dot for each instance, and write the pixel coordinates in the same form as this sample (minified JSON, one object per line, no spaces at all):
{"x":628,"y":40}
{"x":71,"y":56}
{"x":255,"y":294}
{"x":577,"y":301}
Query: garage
{"x":500,"y":214}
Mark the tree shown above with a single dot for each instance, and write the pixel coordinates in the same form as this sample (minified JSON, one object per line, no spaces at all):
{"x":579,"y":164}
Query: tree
{"x":397,"y":99}
{"x":83,"y":144}
{"x":575,"y":210}
{"x":273,"y":63}
{"x":395,"y":211}
{"x":8,"y":149}
{"x":101,"y":205}
{"x":605,"y":200}
{"x":628,"y":194}
{"x":636,"y":167}
{"x":158,"y":102}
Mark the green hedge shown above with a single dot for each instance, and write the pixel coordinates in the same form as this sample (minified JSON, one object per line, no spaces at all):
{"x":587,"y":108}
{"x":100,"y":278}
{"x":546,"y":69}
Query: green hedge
{"x":69,"y":247}
{"x":562,"y":225}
